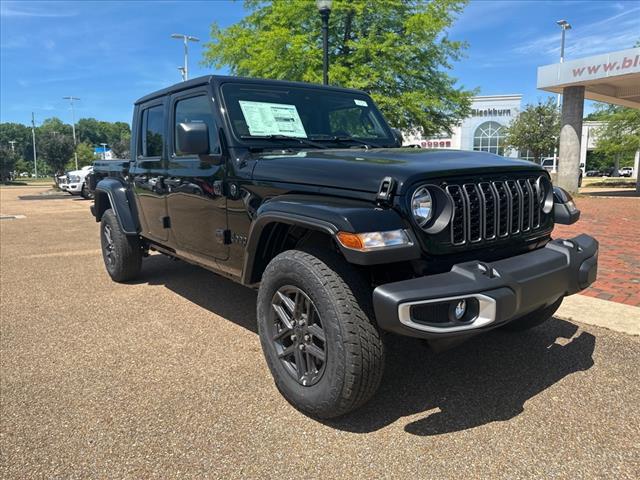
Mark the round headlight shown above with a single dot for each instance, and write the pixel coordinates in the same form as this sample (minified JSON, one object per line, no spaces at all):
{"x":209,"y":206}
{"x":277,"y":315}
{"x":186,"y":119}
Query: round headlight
{"x":422,"y":206}
{"x":545,"y":194}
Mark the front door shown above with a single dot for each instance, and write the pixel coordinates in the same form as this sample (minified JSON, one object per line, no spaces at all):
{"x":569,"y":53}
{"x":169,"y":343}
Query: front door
{"x":149,"y":169}
{"x":195,"y":202}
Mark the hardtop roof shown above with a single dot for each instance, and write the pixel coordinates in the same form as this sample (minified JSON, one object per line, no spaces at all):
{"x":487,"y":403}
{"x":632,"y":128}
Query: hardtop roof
{"x":206,"y":79}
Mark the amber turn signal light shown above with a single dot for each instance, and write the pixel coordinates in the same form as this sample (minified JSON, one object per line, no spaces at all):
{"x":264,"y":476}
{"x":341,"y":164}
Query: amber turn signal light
{"x":350,"y":240}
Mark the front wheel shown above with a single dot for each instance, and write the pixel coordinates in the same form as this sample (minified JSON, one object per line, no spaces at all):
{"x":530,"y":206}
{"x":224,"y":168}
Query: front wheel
{"x":86,"y":193}
{"x":314,"y":320}
{"x":122,"y":254}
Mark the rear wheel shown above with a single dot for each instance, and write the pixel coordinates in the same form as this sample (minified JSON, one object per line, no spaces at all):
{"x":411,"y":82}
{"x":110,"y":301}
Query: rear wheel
{"x":122,"y":254}
{"x":325,"y":354}
{"x":534,"y":318}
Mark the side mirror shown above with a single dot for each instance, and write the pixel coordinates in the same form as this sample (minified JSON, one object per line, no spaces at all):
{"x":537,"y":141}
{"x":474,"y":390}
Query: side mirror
{"x":397,"y":135}
{"x":565,"y":211}
{"x":193,"y":138}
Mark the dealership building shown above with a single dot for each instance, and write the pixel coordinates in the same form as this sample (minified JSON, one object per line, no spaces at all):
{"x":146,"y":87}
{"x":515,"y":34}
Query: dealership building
{"x":484,"y":130}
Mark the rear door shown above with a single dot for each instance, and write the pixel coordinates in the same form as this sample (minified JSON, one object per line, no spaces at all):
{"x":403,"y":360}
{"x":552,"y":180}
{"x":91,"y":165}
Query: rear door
{"x":195,"y":201}
{"x":149,"y":169}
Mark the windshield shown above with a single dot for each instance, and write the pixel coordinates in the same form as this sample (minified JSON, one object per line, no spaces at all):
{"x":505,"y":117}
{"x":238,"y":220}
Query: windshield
{"x":299,"y":115}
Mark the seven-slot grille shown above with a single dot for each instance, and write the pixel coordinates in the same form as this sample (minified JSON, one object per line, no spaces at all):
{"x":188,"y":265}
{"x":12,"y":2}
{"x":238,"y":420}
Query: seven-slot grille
{"x":494,"y":209}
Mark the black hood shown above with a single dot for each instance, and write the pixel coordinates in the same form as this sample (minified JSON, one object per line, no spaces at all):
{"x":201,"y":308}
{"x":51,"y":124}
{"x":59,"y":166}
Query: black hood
{"x":363,"y":170}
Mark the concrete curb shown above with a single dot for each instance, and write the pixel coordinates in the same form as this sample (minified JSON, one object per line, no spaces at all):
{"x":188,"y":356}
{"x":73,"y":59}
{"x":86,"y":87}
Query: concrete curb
{"x":601,"y":313}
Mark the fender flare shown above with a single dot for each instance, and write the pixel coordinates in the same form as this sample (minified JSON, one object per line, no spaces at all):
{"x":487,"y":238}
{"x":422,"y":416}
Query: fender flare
{"x":329,"y":215}
{"x":120,"y":199}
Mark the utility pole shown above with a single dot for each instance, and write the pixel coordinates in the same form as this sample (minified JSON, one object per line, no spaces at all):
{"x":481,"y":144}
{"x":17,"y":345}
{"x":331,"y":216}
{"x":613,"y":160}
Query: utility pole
{"x":564,"y":25}
{"x":13,"y":145}
{"x":185,"y":39}
{"x":104,"y":151}
{"x":35,"y":156}
{"x":73,"y":126}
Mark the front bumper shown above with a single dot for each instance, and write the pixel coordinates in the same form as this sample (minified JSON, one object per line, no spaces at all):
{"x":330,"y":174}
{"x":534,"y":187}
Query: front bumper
{"x":501,"y":291}
{"x":74,"y":187}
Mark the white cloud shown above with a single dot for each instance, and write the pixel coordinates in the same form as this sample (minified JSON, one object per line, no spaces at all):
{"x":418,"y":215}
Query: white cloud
{"x":617,"y":32}
{"x":14,"y":42}
{"x":10,"y":11}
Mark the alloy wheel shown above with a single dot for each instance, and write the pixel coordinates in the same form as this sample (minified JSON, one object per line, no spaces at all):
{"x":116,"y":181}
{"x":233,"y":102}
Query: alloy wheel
{"x":108,"y":246}
{"x":297,"y":335}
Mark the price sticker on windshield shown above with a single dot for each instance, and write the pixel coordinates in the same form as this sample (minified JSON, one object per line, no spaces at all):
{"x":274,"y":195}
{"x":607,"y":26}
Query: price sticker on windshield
{"x":360,"y":103}
{"x":272,"y":119}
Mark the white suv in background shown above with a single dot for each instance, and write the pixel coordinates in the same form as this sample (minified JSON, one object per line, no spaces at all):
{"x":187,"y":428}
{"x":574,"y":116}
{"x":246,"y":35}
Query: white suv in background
{"x":74,"y":182}
{"x":626,"y":172}
{"x":549,"y":165}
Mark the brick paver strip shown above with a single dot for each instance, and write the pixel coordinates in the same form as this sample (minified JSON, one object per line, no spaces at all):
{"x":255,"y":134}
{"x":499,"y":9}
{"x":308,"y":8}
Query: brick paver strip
{"x":615,"y":222}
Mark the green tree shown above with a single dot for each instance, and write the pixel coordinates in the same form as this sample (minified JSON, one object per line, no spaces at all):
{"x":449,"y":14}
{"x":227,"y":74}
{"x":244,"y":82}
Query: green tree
{"x":21,"y":135}
{"x":54,"y":125}
{"x":121,"y":148}
{"x":8,"y":159}
{"x":398,"y":50}
{"x":56,"y":149}
{"x":90,"y":131}
{"x":536,"y":130}
{"x":95,"y":132}
{"x":619,"y":138}
{"x":23,"y":166}
{"x":85,"y":155}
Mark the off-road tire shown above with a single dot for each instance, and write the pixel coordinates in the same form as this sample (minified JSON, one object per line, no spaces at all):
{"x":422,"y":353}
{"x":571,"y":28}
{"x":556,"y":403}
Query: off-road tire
{"x":85,"y":192}
{"x":123,"y":254}
{"x":354,"y":348}
{"x":533,"y":319}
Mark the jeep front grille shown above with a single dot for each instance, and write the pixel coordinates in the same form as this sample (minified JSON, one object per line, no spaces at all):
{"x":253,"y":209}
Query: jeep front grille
{"x":494,"y":209}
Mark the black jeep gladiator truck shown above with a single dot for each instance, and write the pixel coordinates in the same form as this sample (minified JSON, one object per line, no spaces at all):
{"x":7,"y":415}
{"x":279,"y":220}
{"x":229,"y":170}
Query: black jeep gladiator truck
{"x":305,"y":193}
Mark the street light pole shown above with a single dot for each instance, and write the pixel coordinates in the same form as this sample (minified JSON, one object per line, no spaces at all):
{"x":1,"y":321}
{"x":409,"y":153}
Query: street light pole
{"x":104,"y":151}
{"x":73,"y":126}
{"x":13,"y":145}
{"x":564,"y":26}
{"x":35,"y":155}
{"x":185,"y":40}
{"x":324,"y":7}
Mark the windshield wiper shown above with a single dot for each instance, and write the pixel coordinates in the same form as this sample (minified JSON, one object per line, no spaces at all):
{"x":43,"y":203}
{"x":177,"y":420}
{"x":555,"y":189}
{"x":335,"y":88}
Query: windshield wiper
{"x":349,"y":138}
{"x":300,"y":140}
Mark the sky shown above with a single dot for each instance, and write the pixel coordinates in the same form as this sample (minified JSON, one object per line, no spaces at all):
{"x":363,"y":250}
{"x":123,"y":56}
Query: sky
{"x":110,"y":53}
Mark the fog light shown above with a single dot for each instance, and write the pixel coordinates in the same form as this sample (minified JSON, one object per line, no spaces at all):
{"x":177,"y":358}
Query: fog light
{"x":460,"y":309}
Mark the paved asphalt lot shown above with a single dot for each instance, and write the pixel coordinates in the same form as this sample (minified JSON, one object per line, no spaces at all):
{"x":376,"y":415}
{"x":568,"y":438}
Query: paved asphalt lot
{"x":165,"y":379}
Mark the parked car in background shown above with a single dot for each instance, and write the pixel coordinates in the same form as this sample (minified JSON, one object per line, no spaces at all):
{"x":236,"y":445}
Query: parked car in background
{"x":74,"y":182}
{"x":549,"y":164}
{"x":626,"y":171}
{"x":593,"y":173}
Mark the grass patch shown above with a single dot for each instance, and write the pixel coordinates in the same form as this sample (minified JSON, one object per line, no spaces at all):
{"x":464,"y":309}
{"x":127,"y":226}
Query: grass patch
{"x":47,"y":180}
{"x":611,"y":182}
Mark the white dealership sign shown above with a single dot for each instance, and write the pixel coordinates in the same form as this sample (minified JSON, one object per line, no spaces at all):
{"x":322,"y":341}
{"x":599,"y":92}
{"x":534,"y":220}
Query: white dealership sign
{"x":623,"y":62}
{"x":613,"y":77}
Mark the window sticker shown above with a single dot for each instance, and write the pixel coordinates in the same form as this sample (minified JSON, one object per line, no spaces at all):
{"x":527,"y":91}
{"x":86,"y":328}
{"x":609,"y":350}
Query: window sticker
{"x":272,"y":119}
{"x":360,"y":103}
